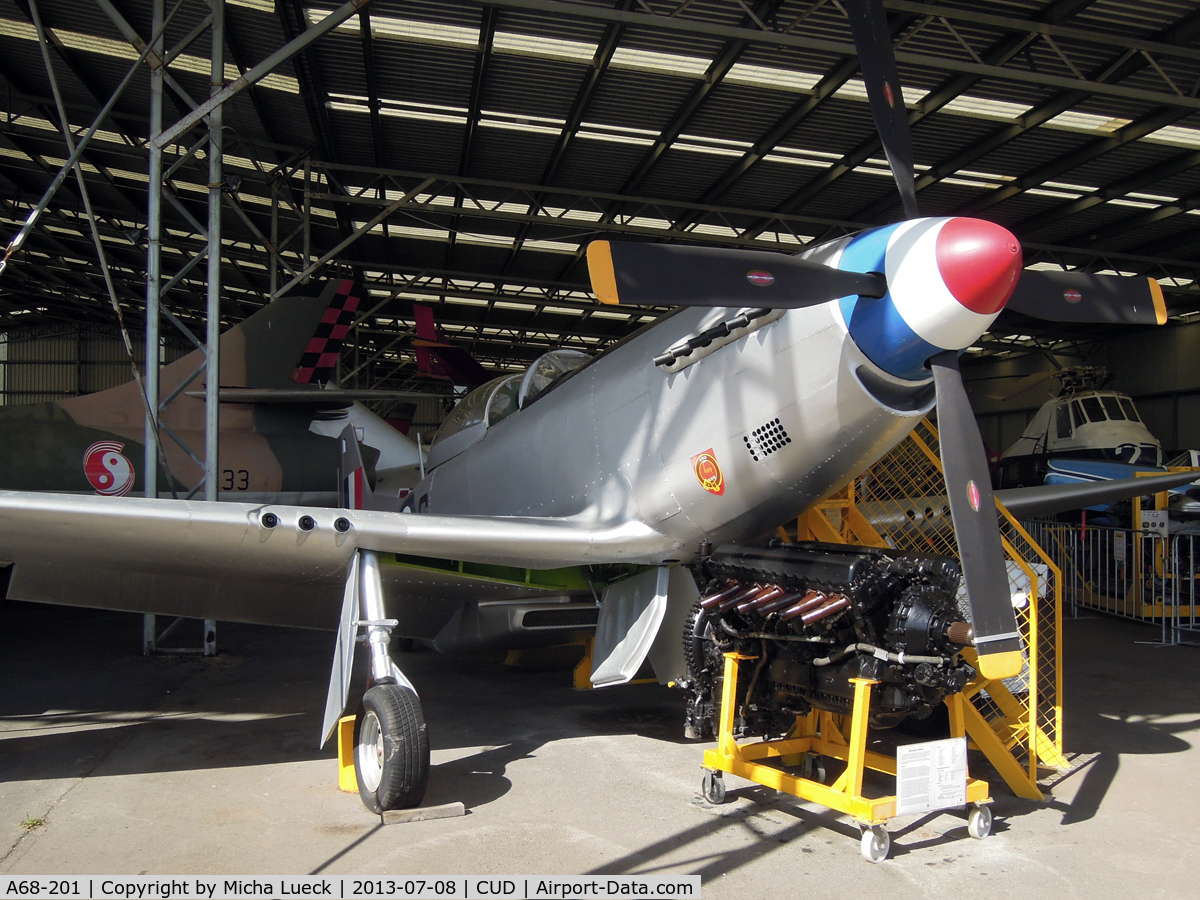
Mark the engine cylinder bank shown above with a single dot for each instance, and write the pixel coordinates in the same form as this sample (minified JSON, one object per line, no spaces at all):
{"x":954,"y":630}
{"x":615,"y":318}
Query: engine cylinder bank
{"x":815,"y":616}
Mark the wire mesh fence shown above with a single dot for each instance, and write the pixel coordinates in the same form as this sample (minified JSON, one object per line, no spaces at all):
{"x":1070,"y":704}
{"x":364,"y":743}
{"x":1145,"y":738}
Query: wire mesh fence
{"x":902,"y":500}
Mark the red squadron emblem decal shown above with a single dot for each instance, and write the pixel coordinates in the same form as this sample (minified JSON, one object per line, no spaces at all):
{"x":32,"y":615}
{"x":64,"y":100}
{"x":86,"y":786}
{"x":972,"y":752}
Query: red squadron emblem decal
{"x":708,"y":472}
{"x":1072,"y":296}
{"x":888,"y":95}
{"x":973,"y":495}
{"x":759,"y":278}
{"x":107,"y":470}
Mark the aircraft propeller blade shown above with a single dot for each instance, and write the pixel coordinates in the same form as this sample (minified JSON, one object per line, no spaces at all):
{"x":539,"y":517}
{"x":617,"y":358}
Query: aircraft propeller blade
{"x":876,"y":59}
{"x":973,"y":511}
{"x":674,"y":275}
{"x":1085,"y":297}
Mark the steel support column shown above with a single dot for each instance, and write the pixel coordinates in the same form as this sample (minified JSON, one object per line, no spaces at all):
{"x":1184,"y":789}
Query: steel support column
{"x":153,"y":258}
{"x":212,"y":350}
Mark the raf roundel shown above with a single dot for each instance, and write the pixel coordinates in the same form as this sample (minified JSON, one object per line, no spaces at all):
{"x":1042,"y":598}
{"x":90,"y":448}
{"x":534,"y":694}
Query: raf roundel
{"x":759,"y":278}
{"x":708,"y":472}
{"x":107,"y":469}
{"x":1072,"y":296}
{"x":973,"y":495}
{"x":889,"y":95}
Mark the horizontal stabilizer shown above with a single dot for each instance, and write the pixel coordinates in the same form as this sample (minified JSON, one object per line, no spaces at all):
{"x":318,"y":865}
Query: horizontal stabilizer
{"x":309,"y":396}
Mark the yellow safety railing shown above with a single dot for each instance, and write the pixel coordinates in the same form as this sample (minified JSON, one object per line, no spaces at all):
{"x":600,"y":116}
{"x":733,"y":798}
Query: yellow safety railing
{"x":900,"y":502}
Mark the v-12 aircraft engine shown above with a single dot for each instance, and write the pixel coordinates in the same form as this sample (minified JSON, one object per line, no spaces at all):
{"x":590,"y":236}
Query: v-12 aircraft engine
{"x":815,"y":616}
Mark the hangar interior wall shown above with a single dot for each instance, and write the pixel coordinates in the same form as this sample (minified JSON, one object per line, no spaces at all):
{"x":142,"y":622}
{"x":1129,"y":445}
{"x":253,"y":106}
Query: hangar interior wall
{"x":53,"y":362}
{"x":1159,"y":368}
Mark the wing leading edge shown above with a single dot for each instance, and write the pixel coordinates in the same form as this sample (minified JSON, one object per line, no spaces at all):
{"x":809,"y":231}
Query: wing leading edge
{"x":227,"y":561}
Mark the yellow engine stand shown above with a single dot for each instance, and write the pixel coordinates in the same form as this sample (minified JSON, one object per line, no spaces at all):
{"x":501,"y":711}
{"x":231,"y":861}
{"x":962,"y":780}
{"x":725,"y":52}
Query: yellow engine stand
{"x":818,"y":732}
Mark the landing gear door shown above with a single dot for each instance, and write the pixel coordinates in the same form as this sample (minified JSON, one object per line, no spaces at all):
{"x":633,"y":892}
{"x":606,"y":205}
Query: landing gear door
{"x":631,"y":612}
{"x":642,"y":617}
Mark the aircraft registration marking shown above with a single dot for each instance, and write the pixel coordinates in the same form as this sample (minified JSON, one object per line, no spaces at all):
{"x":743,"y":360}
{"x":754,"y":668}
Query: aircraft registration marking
{"x":708,"y":472}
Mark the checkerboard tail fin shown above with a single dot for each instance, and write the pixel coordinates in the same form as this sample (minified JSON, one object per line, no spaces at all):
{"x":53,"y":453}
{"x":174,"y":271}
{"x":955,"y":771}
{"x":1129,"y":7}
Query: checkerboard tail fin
{"x":319,"y":360}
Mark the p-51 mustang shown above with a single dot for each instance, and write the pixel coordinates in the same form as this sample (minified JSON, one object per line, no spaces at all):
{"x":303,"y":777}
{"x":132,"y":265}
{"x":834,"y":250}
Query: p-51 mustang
{"x":777,"y":380}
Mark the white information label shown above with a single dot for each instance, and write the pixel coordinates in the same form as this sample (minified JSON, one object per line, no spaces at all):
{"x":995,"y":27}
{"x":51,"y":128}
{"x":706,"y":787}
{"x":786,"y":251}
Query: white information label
{"x":1119,"y":546}
{"x":931,"y":776}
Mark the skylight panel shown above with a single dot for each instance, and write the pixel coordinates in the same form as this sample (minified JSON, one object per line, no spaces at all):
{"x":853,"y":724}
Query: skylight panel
{"x":856,"y":89}
{"x":718,"y":230}
{"x":1175,"y":136}
{"x":543,"y":47}
{"x":1073,"y":120}
{"x":392,"y":28}
{"x":984,"y":108}
{"x":551,"y":246}
{"x":771,"y":78}
{"x":579,"y":215}
{"x":660,"y":63}
{"x":614,"y":138}
{"x":1136,"y":204}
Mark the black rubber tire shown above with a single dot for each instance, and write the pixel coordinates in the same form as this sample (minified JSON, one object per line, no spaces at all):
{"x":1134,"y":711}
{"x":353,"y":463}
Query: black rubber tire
{"x":405,"y":744}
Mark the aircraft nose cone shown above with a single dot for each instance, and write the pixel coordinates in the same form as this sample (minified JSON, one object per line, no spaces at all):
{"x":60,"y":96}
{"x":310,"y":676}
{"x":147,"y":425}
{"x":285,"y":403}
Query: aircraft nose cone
{"x":979,"y":262}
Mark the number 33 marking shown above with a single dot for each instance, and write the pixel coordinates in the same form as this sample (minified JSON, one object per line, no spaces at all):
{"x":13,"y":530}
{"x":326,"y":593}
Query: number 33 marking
{"x":239,"y":480}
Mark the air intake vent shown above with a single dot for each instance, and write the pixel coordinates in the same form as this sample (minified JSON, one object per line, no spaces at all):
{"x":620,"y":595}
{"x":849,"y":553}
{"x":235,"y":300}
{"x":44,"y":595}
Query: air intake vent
{"x":766,"y":439}
{"x":561,"y":618}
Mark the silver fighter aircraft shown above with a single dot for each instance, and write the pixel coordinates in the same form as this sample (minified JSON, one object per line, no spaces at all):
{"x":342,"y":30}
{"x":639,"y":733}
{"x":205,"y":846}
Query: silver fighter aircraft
{"x":627,"y":492}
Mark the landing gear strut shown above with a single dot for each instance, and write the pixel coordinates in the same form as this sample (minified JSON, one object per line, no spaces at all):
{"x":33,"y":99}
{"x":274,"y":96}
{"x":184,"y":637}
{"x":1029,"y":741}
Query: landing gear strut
{"x":391,"y":739}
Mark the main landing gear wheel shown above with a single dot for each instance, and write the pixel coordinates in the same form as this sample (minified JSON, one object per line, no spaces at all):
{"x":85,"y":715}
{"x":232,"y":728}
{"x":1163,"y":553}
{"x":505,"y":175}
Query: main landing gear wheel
{"x":876,"y":843}
{"x":712,"y":785}
{"x":979,"y":822}
{"x":391,"y":749}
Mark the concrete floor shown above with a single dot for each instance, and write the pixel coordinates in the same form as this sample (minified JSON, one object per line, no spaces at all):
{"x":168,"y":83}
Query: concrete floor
{"x":184,"y":766}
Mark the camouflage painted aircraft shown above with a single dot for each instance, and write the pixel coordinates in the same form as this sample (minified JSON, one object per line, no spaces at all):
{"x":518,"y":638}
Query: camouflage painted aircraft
{"x":279,"y":429}
{"x":627,"y":493}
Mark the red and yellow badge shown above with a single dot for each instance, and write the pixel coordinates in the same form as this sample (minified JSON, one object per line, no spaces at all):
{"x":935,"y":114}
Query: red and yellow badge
{"x":708,"y":472}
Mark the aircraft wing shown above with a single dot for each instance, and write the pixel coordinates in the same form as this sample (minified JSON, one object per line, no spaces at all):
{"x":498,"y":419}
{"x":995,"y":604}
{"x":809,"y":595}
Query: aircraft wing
{"x":225,"y":561}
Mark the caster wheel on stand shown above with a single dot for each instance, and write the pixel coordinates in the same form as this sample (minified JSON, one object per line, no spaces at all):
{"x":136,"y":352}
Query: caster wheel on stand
{"x":712,"y":786}
{"x":979,"y":822}
{"x":391,"y":749}
{"x":876,"y":843}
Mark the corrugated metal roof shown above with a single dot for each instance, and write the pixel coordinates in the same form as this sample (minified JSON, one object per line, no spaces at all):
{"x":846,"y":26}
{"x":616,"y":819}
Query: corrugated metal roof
{"x":538,"y":76}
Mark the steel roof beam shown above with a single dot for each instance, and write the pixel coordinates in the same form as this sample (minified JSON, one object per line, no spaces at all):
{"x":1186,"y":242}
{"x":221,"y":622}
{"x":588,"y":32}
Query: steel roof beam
{"x":842,"y":48}
{"x":999,"y":53}
{"x":715,"y":74}
{"x":605,"y":49}
{"x":1117,"y":189}
{"x":367,"y":40}
{"x":301,"y":41}
{"x":1147,"y":124}
{"x":1041,"y":25}
{"x":1116,"y":68}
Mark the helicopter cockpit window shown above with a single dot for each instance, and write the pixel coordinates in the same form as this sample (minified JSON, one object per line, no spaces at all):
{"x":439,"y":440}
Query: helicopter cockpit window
{"x":1077,"y":414}
{"x":546,"y":370}
{"x":1095,"y":412}
{"x":1130,"y":410}
{"x":1113,"y":408}
{"x":1062,"y":420}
